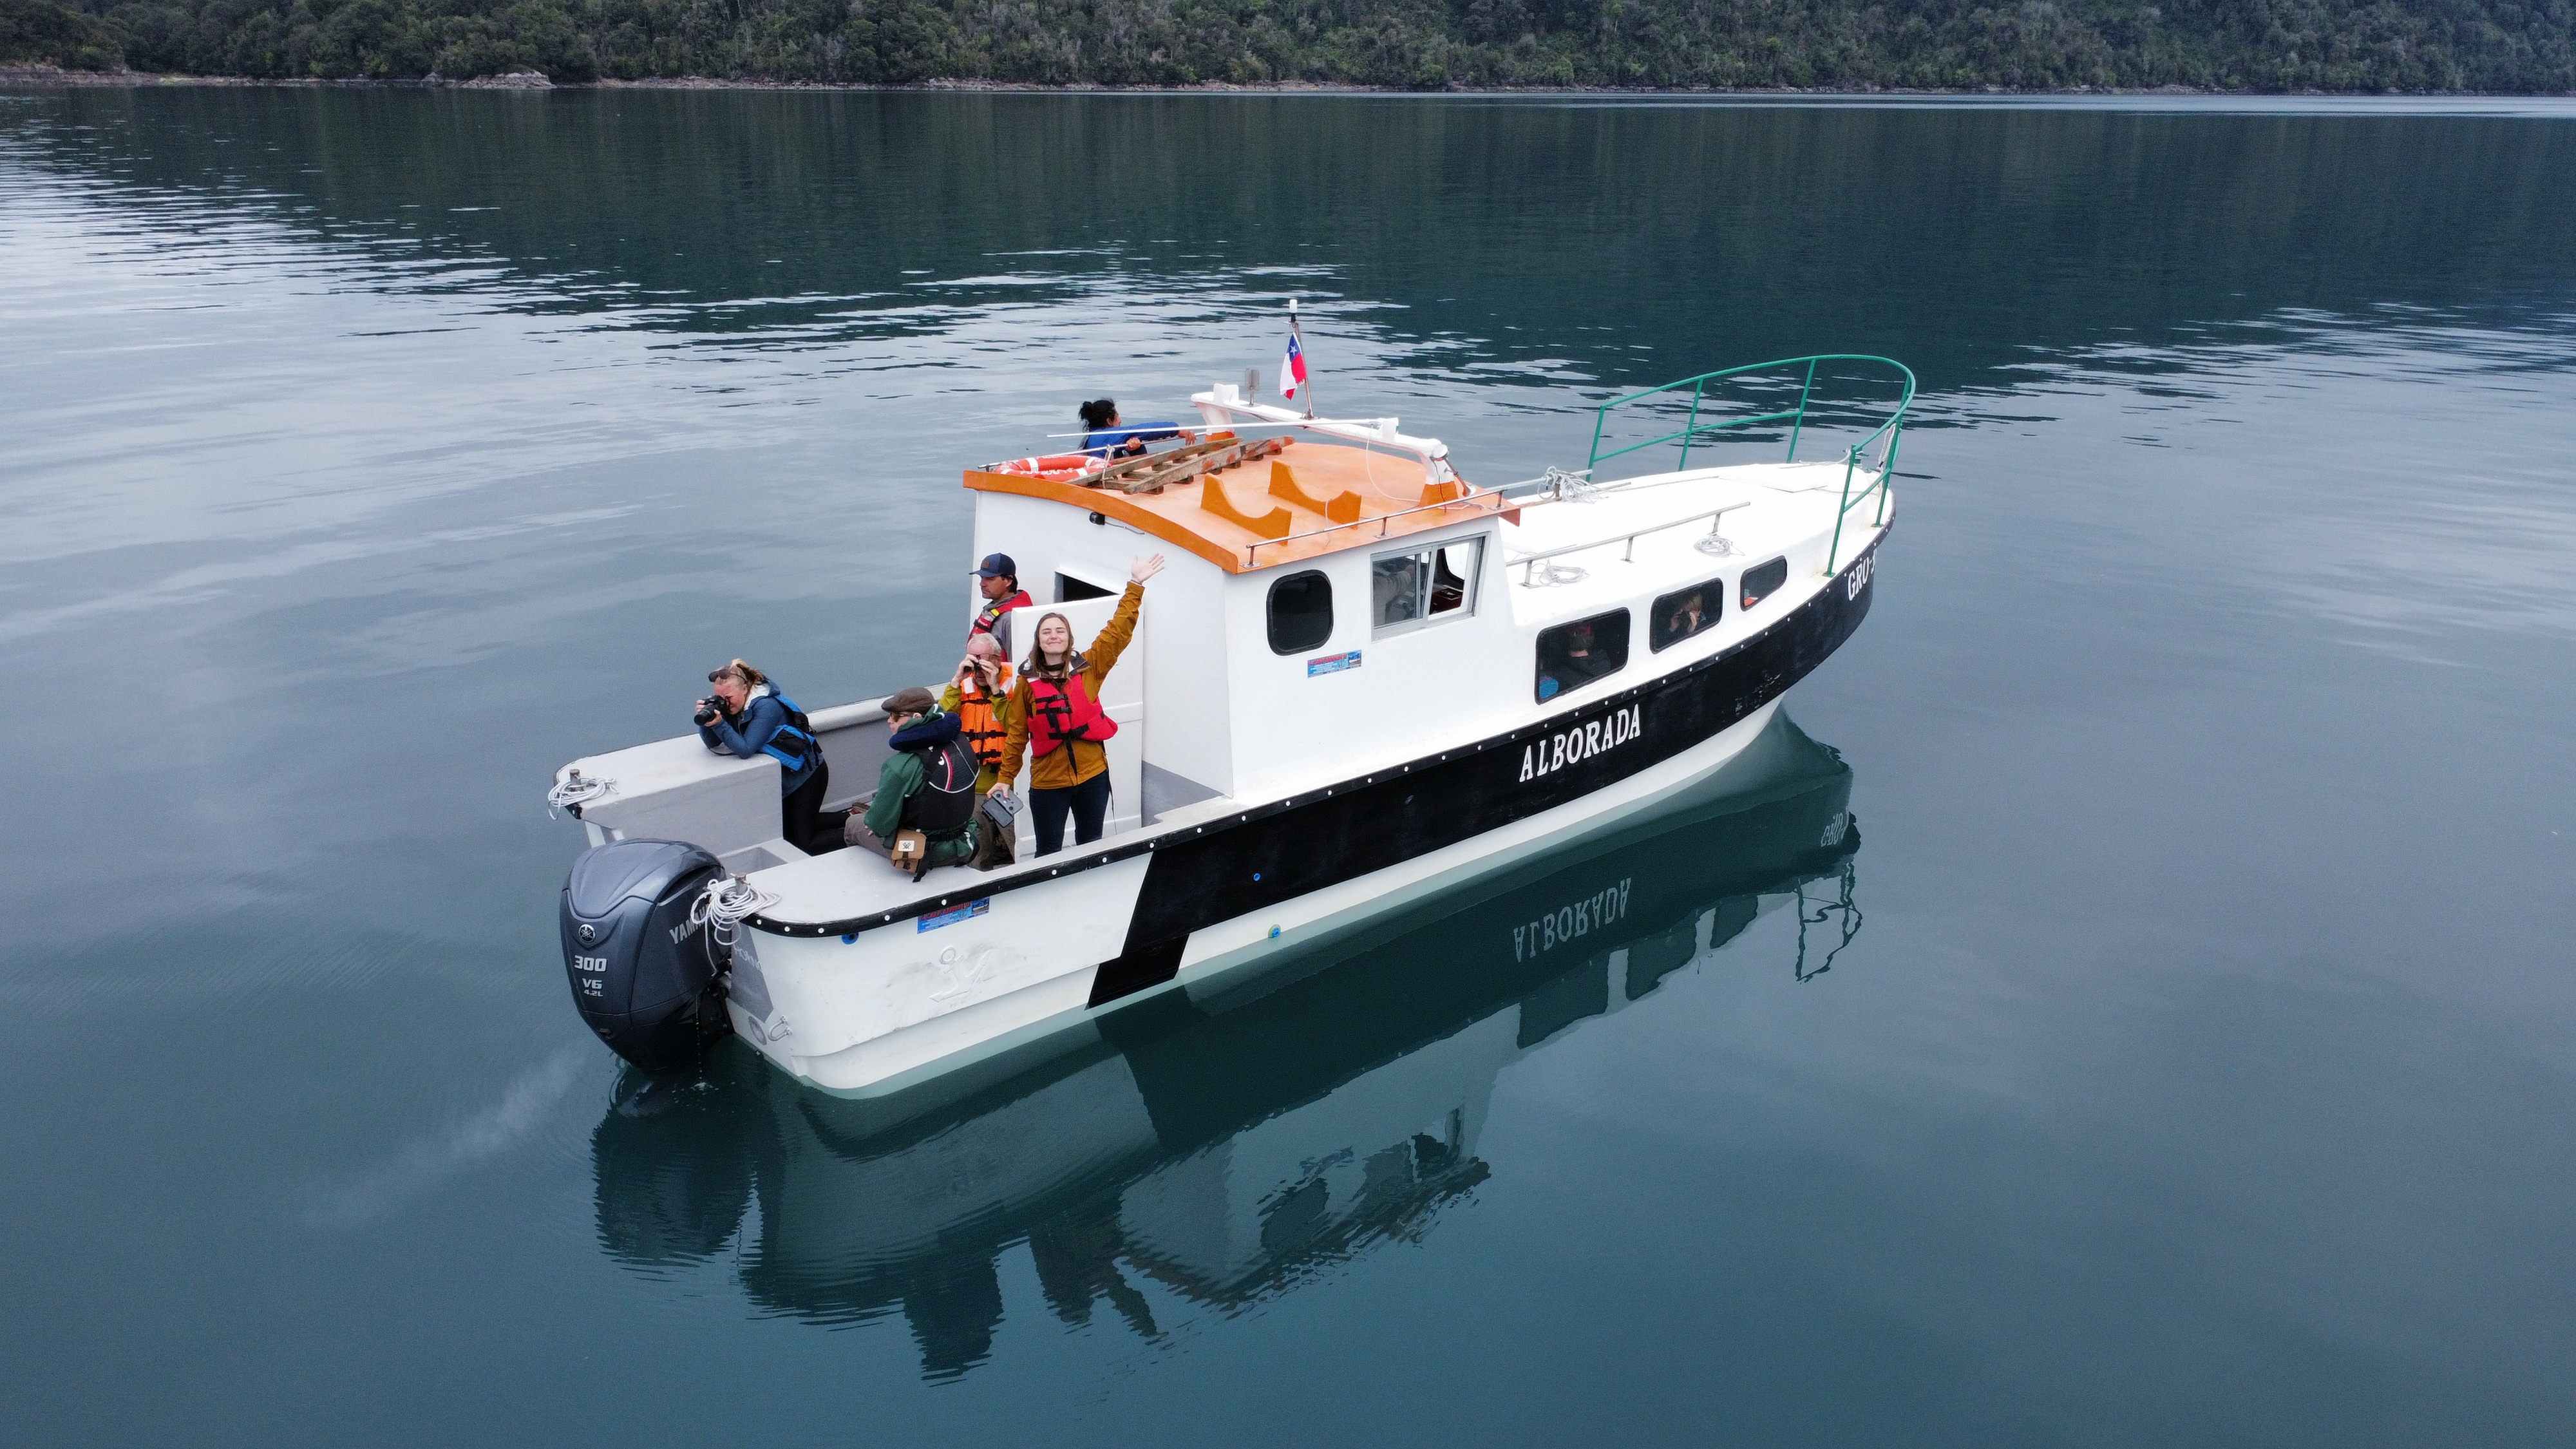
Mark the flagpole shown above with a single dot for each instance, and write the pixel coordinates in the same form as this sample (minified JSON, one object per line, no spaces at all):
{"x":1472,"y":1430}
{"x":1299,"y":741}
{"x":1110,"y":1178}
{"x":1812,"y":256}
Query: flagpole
{"x":1308,"y":386}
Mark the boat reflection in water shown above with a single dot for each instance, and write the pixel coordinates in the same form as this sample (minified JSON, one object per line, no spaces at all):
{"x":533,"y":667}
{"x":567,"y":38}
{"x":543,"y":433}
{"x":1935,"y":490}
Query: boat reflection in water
{"x":1228,"y":1145}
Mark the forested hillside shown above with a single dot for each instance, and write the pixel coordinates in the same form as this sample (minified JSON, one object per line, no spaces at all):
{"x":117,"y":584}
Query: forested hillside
{"x":2254,"y":45}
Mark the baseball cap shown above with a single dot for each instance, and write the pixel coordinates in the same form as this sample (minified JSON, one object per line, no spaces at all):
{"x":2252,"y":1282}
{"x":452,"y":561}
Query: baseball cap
{"x":915,"y":700}
{"x":998,"y":566}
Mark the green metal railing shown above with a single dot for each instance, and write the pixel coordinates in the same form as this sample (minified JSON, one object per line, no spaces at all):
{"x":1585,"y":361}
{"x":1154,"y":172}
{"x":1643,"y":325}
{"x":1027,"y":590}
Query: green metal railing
{"x":1695,"y":431}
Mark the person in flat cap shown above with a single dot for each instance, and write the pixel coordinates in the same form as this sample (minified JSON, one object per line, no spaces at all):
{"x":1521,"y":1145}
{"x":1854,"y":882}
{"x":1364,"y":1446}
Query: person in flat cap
{"x":924,"y":811}
{"x":997,"y":578}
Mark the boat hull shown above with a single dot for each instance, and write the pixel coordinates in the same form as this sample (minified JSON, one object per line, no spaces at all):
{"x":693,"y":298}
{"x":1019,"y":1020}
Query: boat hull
{"x":868,"y":1007}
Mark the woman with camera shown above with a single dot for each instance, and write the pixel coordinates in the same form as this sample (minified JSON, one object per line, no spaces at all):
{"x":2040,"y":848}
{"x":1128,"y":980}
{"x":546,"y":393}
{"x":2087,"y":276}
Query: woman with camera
{"x":744,"y":714}
{"x":1054,"y":712}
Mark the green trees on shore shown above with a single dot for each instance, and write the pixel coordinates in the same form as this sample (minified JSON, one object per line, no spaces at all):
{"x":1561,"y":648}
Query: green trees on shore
{"x":2254,"y":45}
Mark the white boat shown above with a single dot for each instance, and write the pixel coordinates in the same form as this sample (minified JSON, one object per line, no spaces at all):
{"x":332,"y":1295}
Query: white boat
{"x":1357,"y":684}
{"x":1230,"y":1143}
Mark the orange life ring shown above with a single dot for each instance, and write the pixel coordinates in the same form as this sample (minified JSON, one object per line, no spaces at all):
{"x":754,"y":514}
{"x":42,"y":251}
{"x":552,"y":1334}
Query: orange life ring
{"x":1060,"y":468}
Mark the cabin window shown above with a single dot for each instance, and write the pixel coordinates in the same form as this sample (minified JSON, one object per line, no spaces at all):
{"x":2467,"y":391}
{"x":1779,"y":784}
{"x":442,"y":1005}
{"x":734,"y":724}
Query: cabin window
{"x":1684,"y":612}
{"x":1301,"y":612}
{"x":1763,"y":580}
{"x":1070,"y":590}
{"x":1571,"y":656}
{"x":1424,"y":585}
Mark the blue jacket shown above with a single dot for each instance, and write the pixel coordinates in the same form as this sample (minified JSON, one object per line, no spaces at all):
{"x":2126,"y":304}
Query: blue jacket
{"x":760,"y":722}
{"x":1099,"y":441}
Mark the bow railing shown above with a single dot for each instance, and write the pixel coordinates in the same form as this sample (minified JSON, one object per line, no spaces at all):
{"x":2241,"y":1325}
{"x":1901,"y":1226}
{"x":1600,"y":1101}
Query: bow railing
{"x":1755,"y":395}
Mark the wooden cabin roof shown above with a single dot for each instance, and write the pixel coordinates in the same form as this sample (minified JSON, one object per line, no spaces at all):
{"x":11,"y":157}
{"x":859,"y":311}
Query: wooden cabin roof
{"x":1254,"y":504}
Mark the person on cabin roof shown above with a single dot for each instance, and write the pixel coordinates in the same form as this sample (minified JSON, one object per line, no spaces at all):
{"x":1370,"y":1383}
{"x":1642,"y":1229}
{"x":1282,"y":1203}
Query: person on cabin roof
{"x":744,"y":714}
{"x":1054,"y":712}
{"x":927,"y":784}
{"x":998,"y":580}
{"x":979,"y":695}
{"x":1108,"y":438}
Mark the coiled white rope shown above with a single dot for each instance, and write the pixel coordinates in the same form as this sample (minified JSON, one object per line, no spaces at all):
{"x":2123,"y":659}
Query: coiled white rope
{"x":1572,"y":487}
{"x":726,"y":903}
{"x":575,"y":789}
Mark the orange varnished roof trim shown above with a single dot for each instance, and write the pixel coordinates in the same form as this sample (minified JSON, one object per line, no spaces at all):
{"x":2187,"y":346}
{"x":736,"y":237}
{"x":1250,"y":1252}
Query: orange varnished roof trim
{"x":1176,"y":517}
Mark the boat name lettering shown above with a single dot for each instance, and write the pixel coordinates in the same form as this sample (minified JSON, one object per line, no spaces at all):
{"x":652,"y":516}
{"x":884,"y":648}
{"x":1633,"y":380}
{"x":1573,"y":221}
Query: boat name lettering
{"x":1571,"y":746}
{"x":952,"y":915}
{"x":1858,"y":577}
{"x":1332,"y":663}
{"x":1568,"y":923}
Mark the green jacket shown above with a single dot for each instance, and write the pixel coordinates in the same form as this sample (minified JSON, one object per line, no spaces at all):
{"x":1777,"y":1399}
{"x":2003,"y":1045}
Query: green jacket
{"x":897,"y":779}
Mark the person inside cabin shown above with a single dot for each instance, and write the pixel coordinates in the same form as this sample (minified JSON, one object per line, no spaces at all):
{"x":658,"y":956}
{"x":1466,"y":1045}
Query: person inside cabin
{"x":1104,"y":436}
{"x":1054,"y":713}
{"x":977,"y":695}
{"x":926,"y":785}
{"x":998,"y":580}
{"x":1578,"y":661}
{"x":1686,"y":620}
{"x":745,"y":714}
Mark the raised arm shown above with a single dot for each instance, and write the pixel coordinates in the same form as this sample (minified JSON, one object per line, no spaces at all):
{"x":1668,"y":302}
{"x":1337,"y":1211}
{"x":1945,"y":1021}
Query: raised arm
{"x":1120,"y":631}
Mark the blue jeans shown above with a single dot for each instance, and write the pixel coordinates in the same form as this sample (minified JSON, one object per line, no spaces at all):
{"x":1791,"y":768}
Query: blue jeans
{"x":1088,"y":802}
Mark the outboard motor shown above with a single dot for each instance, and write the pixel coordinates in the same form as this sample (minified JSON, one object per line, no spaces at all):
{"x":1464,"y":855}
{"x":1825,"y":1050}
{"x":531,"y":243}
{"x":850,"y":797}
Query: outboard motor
{"x":644,"y":977}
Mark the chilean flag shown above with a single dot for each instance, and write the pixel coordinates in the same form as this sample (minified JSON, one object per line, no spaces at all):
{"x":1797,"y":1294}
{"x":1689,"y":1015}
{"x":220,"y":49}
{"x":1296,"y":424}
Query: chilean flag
{"x":1292,"y":369}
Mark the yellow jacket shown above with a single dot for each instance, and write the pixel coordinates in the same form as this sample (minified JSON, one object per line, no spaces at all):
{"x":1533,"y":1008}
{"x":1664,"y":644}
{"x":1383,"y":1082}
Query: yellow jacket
{"x":1079,"y":760}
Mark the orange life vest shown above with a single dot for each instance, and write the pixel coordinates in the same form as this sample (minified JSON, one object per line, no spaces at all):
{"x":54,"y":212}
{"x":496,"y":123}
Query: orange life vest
{"x":979,"y":718}
{"x":1061,"y":712}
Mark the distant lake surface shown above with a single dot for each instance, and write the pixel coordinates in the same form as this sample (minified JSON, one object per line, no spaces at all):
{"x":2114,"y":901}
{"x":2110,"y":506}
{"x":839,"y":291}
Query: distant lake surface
{"x":2132,"y":1004}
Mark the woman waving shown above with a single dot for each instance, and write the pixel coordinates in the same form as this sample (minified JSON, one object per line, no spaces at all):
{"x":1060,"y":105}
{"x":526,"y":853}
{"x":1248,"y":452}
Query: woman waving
{"x":1055,"y":714}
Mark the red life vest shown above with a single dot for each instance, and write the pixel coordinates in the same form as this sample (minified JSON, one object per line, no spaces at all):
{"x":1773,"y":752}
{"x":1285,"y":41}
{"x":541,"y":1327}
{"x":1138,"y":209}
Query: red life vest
{"x":1061,"y":712}
{"x":991,"y":614}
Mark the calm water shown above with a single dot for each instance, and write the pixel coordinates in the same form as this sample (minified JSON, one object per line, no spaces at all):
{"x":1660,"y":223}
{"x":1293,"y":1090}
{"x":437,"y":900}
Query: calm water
{"x":2132,"y":1006}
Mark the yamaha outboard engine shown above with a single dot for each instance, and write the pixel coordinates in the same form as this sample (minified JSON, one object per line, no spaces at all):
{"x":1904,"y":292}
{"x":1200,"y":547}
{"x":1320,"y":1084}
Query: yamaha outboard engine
{"x":644,"y":977}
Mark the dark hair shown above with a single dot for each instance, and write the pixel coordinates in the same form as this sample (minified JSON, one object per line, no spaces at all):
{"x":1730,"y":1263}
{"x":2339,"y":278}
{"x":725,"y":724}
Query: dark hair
{"x":1096,"y":415}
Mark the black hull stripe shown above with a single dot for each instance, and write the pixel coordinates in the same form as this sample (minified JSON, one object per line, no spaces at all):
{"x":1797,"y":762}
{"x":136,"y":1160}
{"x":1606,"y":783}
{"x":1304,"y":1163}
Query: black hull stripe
{"x":1288,"y":848}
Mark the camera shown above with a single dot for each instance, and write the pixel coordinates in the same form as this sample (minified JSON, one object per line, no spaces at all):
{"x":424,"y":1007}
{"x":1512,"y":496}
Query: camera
{"x":708,"y":712}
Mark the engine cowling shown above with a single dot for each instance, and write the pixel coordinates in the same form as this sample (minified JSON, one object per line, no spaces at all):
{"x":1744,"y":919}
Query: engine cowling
{"x":642,"y":976}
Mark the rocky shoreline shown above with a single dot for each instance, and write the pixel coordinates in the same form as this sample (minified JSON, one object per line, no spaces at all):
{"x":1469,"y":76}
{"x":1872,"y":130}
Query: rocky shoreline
{"x":529,"y":80}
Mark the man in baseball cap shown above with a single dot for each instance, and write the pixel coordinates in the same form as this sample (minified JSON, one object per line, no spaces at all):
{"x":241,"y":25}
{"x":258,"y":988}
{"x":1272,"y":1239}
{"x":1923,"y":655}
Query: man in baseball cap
{"x":999,"y":582}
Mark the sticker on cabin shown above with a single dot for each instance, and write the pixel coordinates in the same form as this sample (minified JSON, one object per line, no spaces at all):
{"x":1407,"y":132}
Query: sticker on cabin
{"x":1573,"y":746}
{"x":1332,"y":663}
{"x":951,"y":916}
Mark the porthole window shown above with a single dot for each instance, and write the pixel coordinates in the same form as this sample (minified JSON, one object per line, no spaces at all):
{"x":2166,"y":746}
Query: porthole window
{"x":1763,"y":580}
{"x":1301,"y":612}
{"x":1684,"y":612}
{"x":1571,"y":656}
{"x":1423,"y":586}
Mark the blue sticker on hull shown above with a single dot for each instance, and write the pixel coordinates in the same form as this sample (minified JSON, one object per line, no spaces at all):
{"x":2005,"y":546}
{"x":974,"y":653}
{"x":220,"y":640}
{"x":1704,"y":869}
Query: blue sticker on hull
{"x":1332,"y":663}
{"x":951,"y":916}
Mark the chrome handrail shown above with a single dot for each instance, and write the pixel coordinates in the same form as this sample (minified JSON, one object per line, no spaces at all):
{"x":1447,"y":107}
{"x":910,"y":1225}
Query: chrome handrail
{"x":1529,"y":560}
